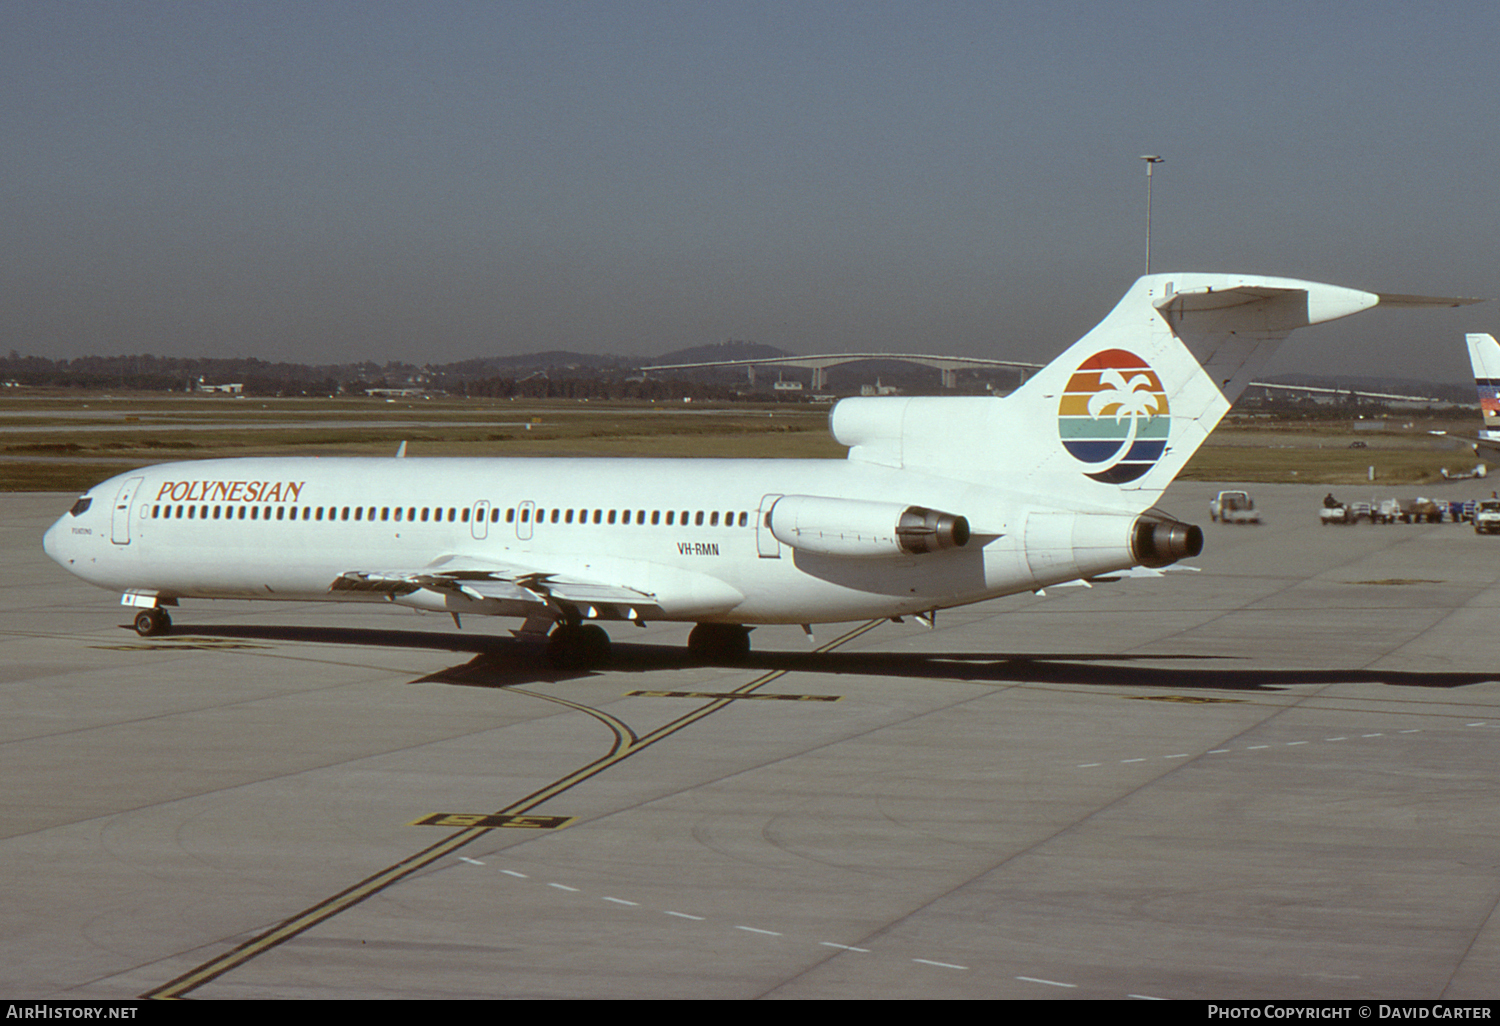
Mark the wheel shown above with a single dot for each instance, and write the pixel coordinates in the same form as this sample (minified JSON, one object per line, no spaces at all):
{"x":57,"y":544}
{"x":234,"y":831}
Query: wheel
{"x":150,"y":623}
{"x":577,"y":647}
{"x":722,"y":642}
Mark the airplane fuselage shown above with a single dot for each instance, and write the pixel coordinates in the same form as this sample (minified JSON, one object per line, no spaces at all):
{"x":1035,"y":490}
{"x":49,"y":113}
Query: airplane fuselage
{"x":690,"y":534}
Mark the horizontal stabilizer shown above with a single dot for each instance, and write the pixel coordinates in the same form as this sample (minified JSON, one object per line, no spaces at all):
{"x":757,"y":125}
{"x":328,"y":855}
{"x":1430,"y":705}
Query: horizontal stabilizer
{"x":1392,"y":299}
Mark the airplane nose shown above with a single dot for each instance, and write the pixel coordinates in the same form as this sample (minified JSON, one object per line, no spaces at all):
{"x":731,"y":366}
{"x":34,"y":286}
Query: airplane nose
{"x":52,"y":542}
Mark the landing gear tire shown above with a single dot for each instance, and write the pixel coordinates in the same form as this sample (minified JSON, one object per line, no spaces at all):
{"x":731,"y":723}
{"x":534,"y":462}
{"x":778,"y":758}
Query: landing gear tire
{"x":720,"y":642}
{"x":151,"y":623}
{"x":578,"y":646}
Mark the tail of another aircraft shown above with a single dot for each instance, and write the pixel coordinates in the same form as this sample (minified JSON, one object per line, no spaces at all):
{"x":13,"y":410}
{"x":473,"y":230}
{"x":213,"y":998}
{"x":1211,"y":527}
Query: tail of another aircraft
{"x":1484,"y":356}
{"x":1111,"y":421}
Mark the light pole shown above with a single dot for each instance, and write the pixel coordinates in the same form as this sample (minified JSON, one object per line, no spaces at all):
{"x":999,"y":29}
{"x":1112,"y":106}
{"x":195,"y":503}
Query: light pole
{"x":1151,"y":161}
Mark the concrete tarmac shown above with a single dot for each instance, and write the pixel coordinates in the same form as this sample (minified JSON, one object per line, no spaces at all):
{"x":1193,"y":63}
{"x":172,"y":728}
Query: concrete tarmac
{"x":1275,"y":777}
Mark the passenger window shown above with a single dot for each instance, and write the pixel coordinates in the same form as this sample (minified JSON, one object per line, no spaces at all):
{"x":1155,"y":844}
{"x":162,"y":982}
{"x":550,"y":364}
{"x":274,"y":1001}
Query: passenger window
{"x":713,"y":519}
{"x":698,"y":520}
{"x":359,"y":513}
{"x":554,"y":515}
{"x":611,"y":516}
{"x":568,"y":519}
{"x":655,"y":517}
{"x":510,"y":516}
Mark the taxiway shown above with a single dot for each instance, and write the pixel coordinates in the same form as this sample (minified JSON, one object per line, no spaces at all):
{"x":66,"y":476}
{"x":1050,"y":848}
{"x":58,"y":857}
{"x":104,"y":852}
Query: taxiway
{"x":1274,"y":777}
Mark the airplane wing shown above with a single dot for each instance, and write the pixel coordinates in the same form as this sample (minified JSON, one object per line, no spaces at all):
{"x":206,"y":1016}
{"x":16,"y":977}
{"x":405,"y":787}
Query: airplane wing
{"x":501,"y":589}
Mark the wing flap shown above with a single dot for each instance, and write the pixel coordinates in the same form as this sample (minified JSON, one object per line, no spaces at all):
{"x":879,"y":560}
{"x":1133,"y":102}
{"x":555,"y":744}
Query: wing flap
{"x":505,"y":589}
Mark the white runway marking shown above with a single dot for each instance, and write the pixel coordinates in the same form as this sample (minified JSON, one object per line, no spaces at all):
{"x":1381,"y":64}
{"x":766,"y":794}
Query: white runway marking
{"x":1248,"y":748}
{"x":940,"y":965}
{"x":774,"y":933}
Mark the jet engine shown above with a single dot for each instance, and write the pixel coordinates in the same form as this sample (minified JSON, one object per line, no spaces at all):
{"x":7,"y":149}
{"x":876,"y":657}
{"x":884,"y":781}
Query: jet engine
{"x":857,"y":527}
{"x":1159,"y":543}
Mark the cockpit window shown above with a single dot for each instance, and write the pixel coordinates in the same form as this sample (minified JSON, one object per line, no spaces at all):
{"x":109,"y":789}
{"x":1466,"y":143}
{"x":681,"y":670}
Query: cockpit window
{"x":83,"y":503}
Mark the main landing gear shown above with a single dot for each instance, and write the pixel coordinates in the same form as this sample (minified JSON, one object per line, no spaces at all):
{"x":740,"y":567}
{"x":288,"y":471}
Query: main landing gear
{"x":573,"y":646}
{"x":584,"y":646}
{"x":720,"y":642}
{"x":151,"y":623}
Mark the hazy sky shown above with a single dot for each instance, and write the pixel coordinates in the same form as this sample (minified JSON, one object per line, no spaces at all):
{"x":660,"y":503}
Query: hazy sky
{"x":328,"y":181}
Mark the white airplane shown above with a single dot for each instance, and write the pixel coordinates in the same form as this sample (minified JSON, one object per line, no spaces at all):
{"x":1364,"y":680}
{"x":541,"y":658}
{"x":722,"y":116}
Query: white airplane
{"x":940,"y":502}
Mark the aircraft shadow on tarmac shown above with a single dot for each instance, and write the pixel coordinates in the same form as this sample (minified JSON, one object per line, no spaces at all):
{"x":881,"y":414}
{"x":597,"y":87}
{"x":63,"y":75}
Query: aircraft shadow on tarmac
{"x":505,"y":661}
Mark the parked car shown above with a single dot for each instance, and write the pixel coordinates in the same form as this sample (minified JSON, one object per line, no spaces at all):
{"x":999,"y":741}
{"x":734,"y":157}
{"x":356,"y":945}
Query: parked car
{"x":1233,"y":508}
{"x":1487,"y":516}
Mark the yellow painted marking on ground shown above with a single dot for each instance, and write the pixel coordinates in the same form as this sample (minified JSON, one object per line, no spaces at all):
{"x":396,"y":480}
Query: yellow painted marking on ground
{"x":371,"y":885}
{"x":491,"y":821}
{"x":730,"y":694}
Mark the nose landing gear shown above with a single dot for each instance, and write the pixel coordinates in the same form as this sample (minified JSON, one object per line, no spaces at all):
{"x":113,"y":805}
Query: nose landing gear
{"x":151,"y":623}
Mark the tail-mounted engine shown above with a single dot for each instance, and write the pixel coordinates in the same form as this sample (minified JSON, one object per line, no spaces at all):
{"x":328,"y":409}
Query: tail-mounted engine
{"x":1071,"y":546}
{"x":1158,"y":543}
{"x":855,"y":527}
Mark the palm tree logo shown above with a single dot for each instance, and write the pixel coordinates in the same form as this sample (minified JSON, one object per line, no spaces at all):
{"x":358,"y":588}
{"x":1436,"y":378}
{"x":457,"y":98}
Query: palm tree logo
{"x":1113,"y":416}
{"x":1133,"y":399}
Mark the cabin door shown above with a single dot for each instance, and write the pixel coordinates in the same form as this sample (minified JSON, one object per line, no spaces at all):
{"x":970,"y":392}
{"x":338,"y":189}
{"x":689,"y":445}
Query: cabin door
{"x":766,"y":545}
{"x":120,"y":521}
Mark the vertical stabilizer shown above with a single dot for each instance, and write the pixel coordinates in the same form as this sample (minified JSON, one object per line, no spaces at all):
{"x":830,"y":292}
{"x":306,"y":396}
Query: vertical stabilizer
{"x":1112,"y":421}
{"x":1484,"y":357}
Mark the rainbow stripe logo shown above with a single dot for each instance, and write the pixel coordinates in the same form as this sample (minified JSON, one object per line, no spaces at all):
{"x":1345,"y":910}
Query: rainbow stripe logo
{"x":1113,"y":416}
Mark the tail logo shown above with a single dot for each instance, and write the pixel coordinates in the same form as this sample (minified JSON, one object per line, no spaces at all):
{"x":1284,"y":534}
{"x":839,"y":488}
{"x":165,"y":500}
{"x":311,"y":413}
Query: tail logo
{"x":1113,"y":416}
